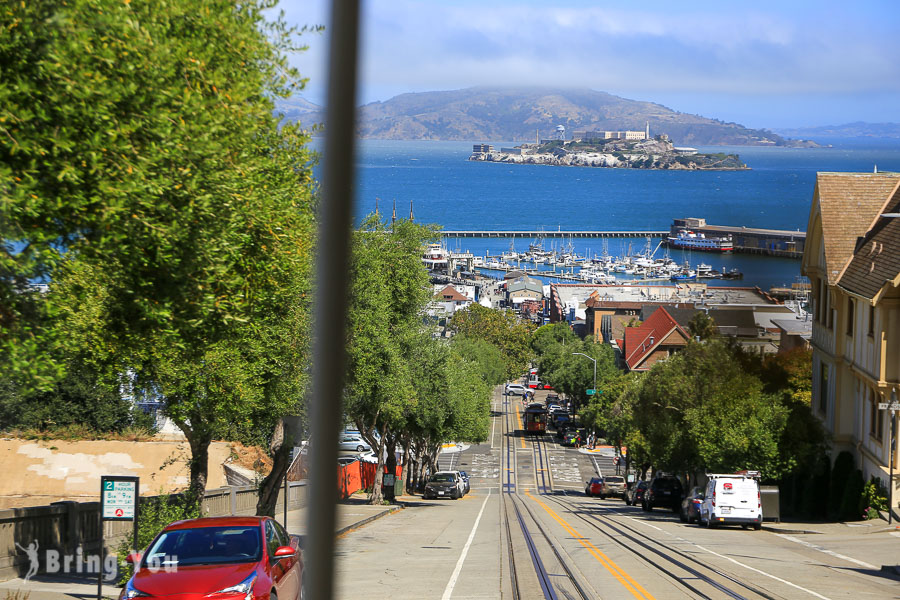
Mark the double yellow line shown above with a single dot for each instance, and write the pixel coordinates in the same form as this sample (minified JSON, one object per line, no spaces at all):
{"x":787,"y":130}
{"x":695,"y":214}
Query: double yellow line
{"x":624,"y":578}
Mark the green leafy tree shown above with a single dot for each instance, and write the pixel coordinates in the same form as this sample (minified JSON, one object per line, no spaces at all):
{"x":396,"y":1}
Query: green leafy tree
{"x":702,"y":326}
{"x":139,"y":147}
{"x":486,"y":358}
{"x":503,"y":329}
{"x":390,"y":289}
{"x":701,"y":410}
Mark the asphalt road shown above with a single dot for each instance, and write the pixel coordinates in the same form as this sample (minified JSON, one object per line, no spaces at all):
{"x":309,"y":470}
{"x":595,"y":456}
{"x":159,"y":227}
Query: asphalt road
{"x":527,"y":530}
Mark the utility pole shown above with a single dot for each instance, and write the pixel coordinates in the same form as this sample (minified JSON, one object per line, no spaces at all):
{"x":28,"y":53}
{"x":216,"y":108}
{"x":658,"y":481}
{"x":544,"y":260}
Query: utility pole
{"x":893,"y":407}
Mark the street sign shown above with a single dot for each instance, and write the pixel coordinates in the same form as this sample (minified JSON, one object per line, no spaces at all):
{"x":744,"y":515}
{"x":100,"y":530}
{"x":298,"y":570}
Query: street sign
{"x":119,"y":498}
{"x":886,"y":406}
{"x":591,"y":392}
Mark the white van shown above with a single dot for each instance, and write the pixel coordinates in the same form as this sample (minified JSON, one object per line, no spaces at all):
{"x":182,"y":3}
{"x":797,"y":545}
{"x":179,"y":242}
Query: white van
{"x":732,"y":499}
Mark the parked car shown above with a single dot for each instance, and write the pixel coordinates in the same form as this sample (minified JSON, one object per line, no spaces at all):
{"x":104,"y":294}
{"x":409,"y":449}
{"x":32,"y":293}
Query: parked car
{"x":594,"y":487}
{"x":613,"y":485}
{"x":515,"y":389}
{"x":551,"y":400}
{"x":465,"y":478}
{"x":444,"y":484}
{"x":732,"y":499}
{"x":246,"y":557}
{"x":635,"y":495}
{"x":690,"y":506}
{"x":353,"y":442}
{"x":664,"y":490}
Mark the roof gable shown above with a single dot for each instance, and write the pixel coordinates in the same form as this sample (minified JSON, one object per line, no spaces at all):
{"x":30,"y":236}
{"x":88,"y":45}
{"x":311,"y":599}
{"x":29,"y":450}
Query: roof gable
{"x":641,"y":342}
{"x":450,"y":293}
{"x":848,"y":203}
{"x":876,"y":260}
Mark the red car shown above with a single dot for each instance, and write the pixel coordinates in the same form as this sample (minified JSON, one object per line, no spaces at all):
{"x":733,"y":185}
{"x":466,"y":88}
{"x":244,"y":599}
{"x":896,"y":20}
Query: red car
{"x":594,"y":487}
{"x":223,"y":557}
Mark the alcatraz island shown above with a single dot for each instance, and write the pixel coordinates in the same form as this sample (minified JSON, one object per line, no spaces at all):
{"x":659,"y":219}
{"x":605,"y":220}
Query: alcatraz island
{"x":610,"y":149}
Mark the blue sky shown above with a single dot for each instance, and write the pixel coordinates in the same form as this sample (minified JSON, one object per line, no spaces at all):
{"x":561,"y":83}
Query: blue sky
{"x":758,"y":63}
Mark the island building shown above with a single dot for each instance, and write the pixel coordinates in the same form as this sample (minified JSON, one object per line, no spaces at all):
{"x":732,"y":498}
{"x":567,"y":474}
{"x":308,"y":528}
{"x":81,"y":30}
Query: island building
{"x":852,"y":259}
{"x":587,"y":136}
{"x":482,"y":149}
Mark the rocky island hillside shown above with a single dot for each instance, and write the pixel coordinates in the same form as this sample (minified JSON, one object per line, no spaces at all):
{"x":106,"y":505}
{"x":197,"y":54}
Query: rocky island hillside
{"x":657,"y":153}
{"x":519,"y":114}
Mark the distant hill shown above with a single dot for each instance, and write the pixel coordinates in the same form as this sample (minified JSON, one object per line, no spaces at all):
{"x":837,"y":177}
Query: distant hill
{"x":848,"y":130}
{"x":518,"y":114}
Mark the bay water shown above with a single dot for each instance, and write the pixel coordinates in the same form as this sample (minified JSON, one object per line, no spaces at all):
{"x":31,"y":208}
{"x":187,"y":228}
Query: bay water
{"x":446,"y":189}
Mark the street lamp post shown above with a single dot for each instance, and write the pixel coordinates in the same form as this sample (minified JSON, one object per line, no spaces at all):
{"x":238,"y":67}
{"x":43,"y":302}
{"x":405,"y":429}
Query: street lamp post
{"x":593,"y":360}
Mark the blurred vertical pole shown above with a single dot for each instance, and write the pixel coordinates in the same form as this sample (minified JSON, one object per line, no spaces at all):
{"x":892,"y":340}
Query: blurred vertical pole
{"x":330,"y":304}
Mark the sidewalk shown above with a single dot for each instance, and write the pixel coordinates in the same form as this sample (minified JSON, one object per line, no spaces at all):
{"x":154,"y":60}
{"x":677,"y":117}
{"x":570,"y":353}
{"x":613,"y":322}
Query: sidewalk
{"x":352,"y":513}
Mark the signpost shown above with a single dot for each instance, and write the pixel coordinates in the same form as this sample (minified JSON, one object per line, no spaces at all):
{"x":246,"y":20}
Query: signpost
{"x":119,"y":496}
{"x":894,"y":407}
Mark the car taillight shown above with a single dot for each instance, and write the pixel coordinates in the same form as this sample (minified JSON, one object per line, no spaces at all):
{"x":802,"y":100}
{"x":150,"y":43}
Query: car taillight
{"x":714,"y":499}
{"x":758,"y":501}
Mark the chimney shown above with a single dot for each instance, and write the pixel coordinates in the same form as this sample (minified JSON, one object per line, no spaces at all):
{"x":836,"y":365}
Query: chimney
{"x":651,"y":340}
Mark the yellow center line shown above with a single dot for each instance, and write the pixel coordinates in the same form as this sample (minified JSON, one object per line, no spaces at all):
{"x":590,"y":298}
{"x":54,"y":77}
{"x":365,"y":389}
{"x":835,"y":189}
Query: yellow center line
{"x":519,"y":420}
{"x":624,"y":578}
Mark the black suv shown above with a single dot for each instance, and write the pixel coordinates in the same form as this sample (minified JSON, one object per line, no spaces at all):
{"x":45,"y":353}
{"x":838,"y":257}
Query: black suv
{"x":664,"y":490}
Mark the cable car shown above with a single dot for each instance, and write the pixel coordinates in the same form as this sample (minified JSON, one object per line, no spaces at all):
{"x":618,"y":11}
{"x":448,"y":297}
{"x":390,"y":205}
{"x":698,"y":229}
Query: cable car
{"x":536,"y":418}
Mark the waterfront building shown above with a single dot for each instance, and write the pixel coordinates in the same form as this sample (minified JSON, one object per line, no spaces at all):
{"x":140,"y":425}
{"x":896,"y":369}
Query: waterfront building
{"x":852,"y":259}
{"x":587,"y":136}
{"x":482,"y":149}
{"x":522,"y":289}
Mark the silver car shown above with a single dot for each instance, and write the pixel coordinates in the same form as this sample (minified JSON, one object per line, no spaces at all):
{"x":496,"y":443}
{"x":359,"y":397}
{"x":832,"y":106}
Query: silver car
{"x":353,"y":442}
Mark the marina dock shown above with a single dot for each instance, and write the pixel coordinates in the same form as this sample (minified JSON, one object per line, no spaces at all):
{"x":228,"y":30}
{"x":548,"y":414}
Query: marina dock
{"x":749,"y":240}
{"x":551,"y":234}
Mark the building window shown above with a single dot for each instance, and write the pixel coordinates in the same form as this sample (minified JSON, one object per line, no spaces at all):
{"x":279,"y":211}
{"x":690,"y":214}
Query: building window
{"x":849,"y":316}
{"x":829,"y":311}
{"x":823,"y":389}
{"x":871,"y":321}
{"x":877,"y":420}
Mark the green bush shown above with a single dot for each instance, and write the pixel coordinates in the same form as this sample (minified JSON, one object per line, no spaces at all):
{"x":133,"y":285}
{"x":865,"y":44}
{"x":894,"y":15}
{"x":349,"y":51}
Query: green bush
{"x":840,"y":475}
{"x":155,"y":513}
{"x":852,"y":496}
{"x":873,"y":499}
{"x":815,"y":493}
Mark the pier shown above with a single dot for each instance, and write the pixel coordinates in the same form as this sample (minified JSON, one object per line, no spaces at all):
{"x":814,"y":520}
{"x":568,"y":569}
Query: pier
{"x":551,"y":234}
{"x":747,"y":240}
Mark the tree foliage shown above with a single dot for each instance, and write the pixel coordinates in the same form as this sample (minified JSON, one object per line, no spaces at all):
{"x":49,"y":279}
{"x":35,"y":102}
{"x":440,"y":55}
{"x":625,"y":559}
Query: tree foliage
{"x":501,"y":328}
{"x":146,"y":179}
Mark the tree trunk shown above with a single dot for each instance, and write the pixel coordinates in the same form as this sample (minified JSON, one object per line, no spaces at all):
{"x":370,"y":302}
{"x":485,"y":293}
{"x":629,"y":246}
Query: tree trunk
{"x":376,"y":497}
{"x":391,"y":465}
{"x":199,"y":442}
{"x":269,"y":487}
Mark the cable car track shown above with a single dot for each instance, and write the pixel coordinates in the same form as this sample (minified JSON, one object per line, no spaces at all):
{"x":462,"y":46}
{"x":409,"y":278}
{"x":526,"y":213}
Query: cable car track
{"x":669,"y":553}
{"x":551,"y":588}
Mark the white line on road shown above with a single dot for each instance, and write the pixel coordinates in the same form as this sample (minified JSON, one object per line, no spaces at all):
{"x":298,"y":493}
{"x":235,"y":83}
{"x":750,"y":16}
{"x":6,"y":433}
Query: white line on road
{"x":827,"y":551}
{"x":448,"y":591}
{"x":794,"y":585}
{"x":784,"y":581}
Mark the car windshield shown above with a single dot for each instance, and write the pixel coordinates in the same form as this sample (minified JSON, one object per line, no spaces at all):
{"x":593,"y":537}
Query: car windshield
{"x":596,"y":480}
{"x":442,"y":478}
{"x":205,"y":546}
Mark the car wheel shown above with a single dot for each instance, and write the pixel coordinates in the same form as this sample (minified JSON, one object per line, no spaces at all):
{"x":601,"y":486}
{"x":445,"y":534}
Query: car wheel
{"x":683,"y":517}
{"x":710,"y":524}
{"x":360,"y":448}
{"x":757,"y":526}
{"x":645,"y":507}
{"x":602,"y":497}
